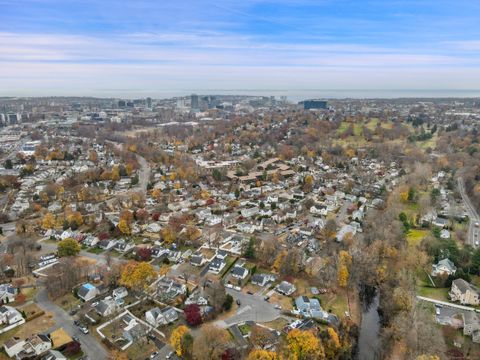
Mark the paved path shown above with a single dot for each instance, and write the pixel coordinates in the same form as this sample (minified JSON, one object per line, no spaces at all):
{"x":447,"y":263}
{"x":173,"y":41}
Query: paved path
{"x":445,"y":303}
{"x":472,"y":214}
{"x":90,"y":345}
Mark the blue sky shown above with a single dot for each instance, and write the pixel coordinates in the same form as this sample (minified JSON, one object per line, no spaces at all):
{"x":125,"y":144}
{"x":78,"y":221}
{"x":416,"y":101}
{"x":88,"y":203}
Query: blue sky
{"x":140,"y":48}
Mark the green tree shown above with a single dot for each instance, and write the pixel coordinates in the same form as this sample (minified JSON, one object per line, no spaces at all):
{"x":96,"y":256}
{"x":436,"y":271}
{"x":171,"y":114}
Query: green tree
{"x":250,"y":250}
{"x":68,"y":247}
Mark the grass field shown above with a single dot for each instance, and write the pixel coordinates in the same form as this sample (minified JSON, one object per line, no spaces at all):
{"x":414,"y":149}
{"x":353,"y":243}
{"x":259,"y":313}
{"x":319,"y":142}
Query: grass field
{"x":415,"y":236}
{"x":434,"y":293}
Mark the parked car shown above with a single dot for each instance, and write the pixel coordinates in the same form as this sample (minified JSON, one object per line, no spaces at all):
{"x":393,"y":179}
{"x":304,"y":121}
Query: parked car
{"x":83,"y":329}
{"x":249,"y":292}
{"x":266,"y":298}
{"x":238,"y":302}
{"x":152,"y":356}
{"x":278,"y":307}
{"x":170,"y":355}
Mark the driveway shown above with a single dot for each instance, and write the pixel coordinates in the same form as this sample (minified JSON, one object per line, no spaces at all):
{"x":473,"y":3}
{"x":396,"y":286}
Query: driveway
{"x":90,"y":345}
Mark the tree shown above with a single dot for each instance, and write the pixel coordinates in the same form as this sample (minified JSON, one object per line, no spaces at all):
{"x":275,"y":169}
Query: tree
{"x":344,"y":261}
{"x":48,"y":221}
{"x":216,"y":294}
{"x":68,"y":247}
{"x":193,"y":315}
{"x":258,"y":354}
{"x":250,"y":250}
{"x":124,"y":227}
{"x":8,"y":164}
{"x":304,"y":345}
{"x":117,"y":355}
{"x":144,"y":254}
{"x":137,"y":275}
{"x":211,"y":343}
{"x":176,"y":339}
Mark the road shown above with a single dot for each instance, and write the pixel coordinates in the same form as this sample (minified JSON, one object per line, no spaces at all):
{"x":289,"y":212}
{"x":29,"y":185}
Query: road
{"x":449,"y":304}
{"x":90,"y":345}
{"x":472,"y":214}
{"x":143,"y":174}
{"x":252,"y":308}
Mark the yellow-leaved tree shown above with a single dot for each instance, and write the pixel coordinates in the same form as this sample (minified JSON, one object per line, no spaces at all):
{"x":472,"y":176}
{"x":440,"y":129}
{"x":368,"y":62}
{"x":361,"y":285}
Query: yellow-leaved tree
{"x":344,"y":261}
{"x":304,"y":345}
{"x":137,"y":275}
{"x":48,"y":221}
{"x":176,"y":339}
{"x":258,"y":354}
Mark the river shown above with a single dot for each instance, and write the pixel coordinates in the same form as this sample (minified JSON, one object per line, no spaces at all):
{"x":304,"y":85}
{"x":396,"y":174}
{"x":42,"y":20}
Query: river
{"x":368,"y":340}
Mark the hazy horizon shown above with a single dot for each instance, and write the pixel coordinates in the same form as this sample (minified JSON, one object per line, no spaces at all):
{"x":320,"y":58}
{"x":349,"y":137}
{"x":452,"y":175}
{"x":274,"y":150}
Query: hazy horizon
{"x":51,"y":47}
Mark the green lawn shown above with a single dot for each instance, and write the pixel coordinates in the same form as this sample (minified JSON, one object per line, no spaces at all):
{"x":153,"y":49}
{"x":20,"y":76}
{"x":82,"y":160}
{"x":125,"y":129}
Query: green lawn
{"x":245,"y":329}
{"x":95,"y":250}
{"x":434,"y":293}
{"x":415,"y":236}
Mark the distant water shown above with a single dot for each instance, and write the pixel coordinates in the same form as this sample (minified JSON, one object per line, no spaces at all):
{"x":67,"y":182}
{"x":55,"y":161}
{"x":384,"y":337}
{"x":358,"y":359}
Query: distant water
{"x":301,"y":94}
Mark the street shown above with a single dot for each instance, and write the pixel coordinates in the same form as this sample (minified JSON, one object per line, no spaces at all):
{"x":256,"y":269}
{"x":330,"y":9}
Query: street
{"x":90,"y":345}
{"x":472,"y":238}
{"x":252,"y":308}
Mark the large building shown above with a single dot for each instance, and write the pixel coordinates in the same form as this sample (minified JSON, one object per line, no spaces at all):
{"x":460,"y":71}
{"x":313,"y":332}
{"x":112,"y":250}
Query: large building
{"x":194,"y":101}
{"x":314,"y":104}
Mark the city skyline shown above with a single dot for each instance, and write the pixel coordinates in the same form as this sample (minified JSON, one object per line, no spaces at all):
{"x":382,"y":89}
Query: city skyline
{"x":144,"y":48}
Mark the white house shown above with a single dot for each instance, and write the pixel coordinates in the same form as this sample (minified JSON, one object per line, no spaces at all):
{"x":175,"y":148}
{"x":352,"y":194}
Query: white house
{"x":445,"y":266}
{"x":157,"y":317}
{"x":7,"y":293}
{"x":87,"y":292}
{"x":120,"y":293}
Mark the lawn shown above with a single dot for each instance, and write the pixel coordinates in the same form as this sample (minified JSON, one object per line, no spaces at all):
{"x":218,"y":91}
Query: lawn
{"x":67,"y":302}
{"x":415,"y":237}
{"x":434,"y":293}
{"x":335,"y":303}
{"x":95,"y":250}
{"x":38,"y":325}
{"x":277,"y":324}
{"x":245,"y":329}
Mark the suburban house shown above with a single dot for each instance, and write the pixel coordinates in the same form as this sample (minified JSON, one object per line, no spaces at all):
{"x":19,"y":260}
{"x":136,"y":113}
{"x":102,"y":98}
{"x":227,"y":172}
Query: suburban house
{"x":133,"y":331}
{"x":471,"y":325}
{"x":197,"y":260}
{"x":106,"y":307}
{"x":106,"y":244}
{"x":34,"y":346}
{"x":217,"y":265}
{"x":157,"y":317}
{"x":440,"y":222}
{"x":9,"y":315}
{"x":13,"y":346}
{"x":169,"y":288}
{"x":120,"y":293}
{"x":7,"y":293}
{"x":262,"y":279}
{"x":87,"y":292}
{"x":310,"y":307}
{"x":239,"y":272}
{"x":445,"y":266}
{"x":285,"y":288}
{"x":54,"y":355}
{"x":464,"y":292}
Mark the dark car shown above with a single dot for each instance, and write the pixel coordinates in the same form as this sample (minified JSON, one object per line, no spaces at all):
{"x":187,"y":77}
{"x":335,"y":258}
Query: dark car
{"x":238,"y":302}
{"x":249,"y":292}
{"x":266,"y":298}
{"x":76,"y":323}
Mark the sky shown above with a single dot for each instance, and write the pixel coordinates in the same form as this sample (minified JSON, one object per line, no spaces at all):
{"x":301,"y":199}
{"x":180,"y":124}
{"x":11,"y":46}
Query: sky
{"x":161,"y":48}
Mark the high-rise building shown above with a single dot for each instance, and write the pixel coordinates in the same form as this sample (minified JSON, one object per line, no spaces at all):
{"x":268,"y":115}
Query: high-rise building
{"x":149,"y":102}
{"x":194,"y":101}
